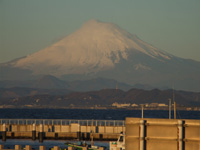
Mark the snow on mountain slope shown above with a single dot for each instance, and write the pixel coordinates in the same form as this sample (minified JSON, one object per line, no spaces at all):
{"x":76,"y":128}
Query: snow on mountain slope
{"x":96,"y":46}
{"x":100,"y":49}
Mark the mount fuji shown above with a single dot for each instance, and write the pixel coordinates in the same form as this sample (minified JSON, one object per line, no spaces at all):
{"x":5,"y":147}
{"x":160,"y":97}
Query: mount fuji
{"x":100,"y":49}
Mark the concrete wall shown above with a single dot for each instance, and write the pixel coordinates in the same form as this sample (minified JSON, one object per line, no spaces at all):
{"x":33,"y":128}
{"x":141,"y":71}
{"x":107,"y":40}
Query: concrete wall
{"x":72,"y":131}
{"x":165,"y":134}
{"x":74,"y":127}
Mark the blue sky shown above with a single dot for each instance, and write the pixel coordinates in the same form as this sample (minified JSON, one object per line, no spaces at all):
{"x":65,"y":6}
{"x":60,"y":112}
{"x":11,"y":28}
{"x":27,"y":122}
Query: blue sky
{"x":27,"y":26}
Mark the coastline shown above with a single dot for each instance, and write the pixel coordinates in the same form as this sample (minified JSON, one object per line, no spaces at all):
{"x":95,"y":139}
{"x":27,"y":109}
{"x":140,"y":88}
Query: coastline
{"x":192,"y":108}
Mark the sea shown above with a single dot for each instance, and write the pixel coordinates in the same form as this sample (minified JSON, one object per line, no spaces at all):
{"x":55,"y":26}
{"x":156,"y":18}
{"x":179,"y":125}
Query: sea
{"x":85,"y":114}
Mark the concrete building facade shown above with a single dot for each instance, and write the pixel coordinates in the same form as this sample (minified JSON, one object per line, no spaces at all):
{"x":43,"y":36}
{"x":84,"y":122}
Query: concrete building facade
{"x":162,"y":134}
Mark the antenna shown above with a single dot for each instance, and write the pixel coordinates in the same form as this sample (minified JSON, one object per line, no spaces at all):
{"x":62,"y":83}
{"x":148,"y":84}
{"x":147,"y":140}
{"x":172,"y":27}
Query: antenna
{"x":142,"y":111}
{"x":174,"y":103}
{"x":173,"y":93}
{"x":117,"y":86}
{"x":170,"y":108}
{"x":174,"y":110}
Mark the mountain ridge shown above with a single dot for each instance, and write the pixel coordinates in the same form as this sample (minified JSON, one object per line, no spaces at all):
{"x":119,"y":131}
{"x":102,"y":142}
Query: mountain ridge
{"x":102,"y":98}
{"x":52,"y":83}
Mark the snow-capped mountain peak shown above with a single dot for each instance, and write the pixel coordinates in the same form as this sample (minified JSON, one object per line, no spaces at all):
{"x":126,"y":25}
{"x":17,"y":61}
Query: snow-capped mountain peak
{"x":100,"y":49}
{"x":96,"y":46}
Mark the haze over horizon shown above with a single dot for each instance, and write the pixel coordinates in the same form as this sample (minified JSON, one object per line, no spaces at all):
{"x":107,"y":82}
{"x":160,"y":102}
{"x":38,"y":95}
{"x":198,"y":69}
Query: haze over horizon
{"x":29,"y":26}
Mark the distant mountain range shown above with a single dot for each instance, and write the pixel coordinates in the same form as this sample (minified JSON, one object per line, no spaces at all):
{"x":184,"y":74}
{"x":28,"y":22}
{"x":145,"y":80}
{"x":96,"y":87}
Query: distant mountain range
{"x":50,"y":91}
{"x":34,"y":98}
{"x":48,"y":82}
{"x":104,"y":50}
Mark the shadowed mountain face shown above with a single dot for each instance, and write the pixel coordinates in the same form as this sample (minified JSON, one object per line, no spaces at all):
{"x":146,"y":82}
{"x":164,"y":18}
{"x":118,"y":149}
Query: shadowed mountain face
{"x":52,"y":83}
{"x":105,"y":50}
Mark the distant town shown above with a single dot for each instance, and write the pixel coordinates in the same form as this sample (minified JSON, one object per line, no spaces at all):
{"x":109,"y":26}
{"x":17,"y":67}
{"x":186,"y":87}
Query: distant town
{"x":153,"y":106}
{"x":115,"y":105}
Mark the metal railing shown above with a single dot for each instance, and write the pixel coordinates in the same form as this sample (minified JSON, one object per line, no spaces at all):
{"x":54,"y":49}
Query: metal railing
{"x":63,"y":122}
